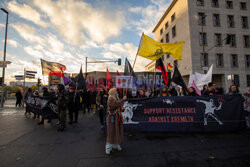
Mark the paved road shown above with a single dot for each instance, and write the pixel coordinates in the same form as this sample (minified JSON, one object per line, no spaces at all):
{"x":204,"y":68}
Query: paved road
{"x":24,"y":143}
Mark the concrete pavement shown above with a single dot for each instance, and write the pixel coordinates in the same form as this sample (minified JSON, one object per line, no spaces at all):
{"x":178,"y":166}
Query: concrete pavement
{"x":24,"y":143}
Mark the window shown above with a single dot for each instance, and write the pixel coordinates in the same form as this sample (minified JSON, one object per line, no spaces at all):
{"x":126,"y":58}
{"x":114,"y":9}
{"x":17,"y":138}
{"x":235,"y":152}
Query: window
{"x":236,"y":80}
{"x":234,"y":60}
{"x":173,"y":17}
{"x":248,"y":80}
{"x":218,"y":41}
{"x":163,"y":57}
{"x":201,"y":19}
{"x":219,"y":60}
{"x":204,"y":60}
{"x":161,"y":40}
{"x":173,"y":32}
{"x":246,"y":41}
{"x":229,"y":4}
{"x":203,"y":39}
{"x":200,"y":2}
{"x":216,"y":20}
{"x":233,"y":40}
{"x":230,"y":21}
{"x":248,"y":61}
{"x":243,"y":6}
{"x":215,"y":3}
{"x":166,"y":25}
{"x":161,"y":32}
{"x":244,"y":22}
{"x":167,"y":37}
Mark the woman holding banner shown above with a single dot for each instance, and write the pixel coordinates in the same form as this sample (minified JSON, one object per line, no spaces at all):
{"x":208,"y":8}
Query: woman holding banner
{"x":114,"y":121}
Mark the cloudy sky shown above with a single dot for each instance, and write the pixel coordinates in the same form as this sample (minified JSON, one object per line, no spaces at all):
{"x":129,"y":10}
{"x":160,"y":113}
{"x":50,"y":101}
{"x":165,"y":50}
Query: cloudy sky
{"x":67,"y":31}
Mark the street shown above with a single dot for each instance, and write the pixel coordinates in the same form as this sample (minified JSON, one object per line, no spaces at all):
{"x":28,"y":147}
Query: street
{"x":24,"y":143}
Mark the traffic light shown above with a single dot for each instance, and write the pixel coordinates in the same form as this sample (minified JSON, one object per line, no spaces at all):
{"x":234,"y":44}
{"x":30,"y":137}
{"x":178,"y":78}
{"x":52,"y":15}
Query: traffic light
{"x":39,"y":82}
{"x":119,"y":62}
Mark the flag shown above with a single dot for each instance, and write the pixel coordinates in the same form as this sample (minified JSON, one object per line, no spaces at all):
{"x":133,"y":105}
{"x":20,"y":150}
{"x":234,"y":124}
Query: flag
{"x":177,"y":78}
{"x":52,"y":68}
{"x":153,"y":50}
{"x":203,"y":79}
{"x":160,"y":66}
{"x":196,"y":88}
{"x":66,"y":80}
{"x":128,"y":71}
{"x":109,"y":82}
{"x":169,"y":67}
{"x":80,"y":80}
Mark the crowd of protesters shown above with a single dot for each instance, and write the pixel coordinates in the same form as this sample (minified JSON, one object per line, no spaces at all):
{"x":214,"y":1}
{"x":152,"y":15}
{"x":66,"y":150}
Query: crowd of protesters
{"x":104,"y":101}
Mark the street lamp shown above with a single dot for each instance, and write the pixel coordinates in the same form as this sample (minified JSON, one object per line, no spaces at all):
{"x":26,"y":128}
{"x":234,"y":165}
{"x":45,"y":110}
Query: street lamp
{"x":4,"y":56}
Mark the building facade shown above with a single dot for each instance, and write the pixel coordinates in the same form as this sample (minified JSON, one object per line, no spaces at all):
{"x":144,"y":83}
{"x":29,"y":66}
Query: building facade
{"x":206,"y":26}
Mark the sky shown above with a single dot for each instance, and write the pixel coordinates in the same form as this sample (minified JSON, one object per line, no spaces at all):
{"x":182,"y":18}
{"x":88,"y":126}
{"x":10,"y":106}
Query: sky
{"x":68,"y":31}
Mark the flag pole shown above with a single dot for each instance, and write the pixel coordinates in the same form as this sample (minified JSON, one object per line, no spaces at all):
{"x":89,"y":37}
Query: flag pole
{"x":134,"y":64}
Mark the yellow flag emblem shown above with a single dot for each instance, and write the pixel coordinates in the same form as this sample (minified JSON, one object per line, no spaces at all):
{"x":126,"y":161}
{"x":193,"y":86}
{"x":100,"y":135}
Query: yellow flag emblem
{"x":153,"y":50}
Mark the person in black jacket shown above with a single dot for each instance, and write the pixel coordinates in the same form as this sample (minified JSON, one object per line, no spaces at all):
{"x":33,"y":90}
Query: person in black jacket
{"x":46,"y":95}
{"x":192,"y":92}
{"x":74,"y":105}
{"x":101,"y":102}
{"x":210,"y":91}
{"x":19,"y":98}
{"x":233,"y":89}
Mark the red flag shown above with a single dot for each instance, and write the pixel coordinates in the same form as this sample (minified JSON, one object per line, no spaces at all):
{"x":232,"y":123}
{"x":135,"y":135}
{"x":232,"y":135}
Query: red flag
{"x":109,"y":80}
{"x":117,"y":73}
{"x":160,"y":66}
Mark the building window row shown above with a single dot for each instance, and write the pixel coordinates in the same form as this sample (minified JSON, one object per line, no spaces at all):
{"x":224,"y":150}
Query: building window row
{"x":168,"y":36}
{"x":230,"y":40}
{"x":220,"y":60}
{"x":216,"y":20}
{"x":228,"y":4}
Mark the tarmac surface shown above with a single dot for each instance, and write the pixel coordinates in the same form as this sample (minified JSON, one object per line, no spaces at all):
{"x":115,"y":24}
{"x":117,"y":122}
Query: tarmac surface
{"x":24,"y":143}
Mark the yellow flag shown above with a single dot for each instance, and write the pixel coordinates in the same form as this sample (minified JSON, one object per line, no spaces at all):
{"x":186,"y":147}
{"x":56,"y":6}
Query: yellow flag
{"x":153,"y":50}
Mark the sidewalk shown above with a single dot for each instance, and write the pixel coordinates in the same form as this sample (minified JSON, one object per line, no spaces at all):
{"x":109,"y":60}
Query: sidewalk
{"x":24,"y":143}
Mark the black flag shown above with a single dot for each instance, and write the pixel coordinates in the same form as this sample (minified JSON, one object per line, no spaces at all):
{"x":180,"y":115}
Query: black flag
{"x":128,"y":70}
{"x":177,"y":78}
{"x":80,"y":80}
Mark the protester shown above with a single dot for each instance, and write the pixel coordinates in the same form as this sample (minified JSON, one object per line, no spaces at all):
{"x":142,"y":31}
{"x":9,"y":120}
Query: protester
{"x":172,"y":90}
{"x":204,"y":89}
{"x":46,"y":95}
{"x":36,"y":94}
{"x":101,"y":102}
{"x":192,"y":92}
{"x":219,"y":91}
{"x":164,"y":92}
{"x":233,"y":89}
{"x":93,"y":100}
{"x":148,"y":93}
{"x":86,"y":100}
{"x":247,"y":106}
{"x":141,"y":93}
{"x":27,"y":94}
{"x":210,"y":90}
{"x":73,"y":105}
{"x":19,"y":98}
{"x":62,"y":99}
{"x":114,"y":121}
{"x":180,"y":91}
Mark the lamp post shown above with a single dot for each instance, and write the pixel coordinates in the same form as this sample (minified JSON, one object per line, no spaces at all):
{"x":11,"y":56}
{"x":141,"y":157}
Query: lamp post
{"x":4,"y":56}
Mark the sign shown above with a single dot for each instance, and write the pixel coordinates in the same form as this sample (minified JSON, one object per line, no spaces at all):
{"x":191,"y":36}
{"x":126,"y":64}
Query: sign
{"x":19,"y":77}
{"x":184,"y":114}
{"x":124,"y":82}
{"x":41,"y":106}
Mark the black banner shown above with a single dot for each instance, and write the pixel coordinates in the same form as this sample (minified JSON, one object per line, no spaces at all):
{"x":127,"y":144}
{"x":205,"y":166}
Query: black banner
{"x":42,"y":106}
{"x":184,"y":114}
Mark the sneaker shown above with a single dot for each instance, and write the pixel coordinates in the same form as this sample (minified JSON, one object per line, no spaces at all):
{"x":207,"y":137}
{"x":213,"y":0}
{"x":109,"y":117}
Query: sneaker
{"x":119,"y":148}
{"x":102,"y":127}
{"x":108,"y":152}
{"x":40,"y":123}
{"x":58,"y":123}
{"x":49,"y":120}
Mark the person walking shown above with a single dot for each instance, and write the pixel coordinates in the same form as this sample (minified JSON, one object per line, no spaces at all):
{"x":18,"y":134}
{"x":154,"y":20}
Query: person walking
{"x":62,"y":99}
{"x":74,"y":105}
{"x":101,"y":103}
{"x":114,"y":121}
{"x":19,"y":98}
